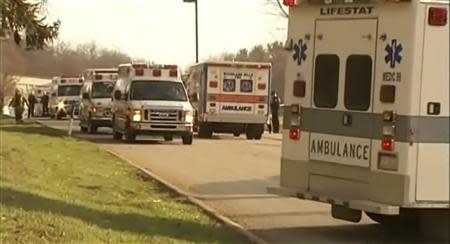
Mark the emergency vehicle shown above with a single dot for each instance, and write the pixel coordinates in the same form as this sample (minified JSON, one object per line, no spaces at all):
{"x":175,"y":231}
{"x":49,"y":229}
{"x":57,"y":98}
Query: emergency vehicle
{"x":96,"y":94}
{"x":64,"y":96}
{"x":230,"y":97}
{"x":151,"y":100}
{"x":367,"y":123}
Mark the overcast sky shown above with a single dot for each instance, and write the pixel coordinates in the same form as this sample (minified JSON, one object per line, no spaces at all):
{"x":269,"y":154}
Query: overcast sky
{"x":164,"y":30}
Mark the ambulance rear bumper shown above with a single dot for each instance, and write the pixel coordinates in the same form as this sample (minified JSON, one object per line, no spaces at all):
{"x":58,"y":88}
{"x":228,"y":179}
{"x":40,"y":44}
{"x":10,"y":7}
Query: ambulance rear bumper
{"x":363,"y":205}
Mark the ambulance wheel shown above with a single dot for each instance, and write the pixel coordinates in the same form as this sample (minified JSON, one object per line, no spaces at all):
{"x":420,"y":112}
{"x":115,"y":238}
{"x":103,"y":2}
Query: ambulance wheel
{"x":187,"y":140}
{"x":205,"y":131}
{"x":168,"y":138}
{"x":258,"y":136}
{"x":249,"y":134}
{"x":392,"y":221}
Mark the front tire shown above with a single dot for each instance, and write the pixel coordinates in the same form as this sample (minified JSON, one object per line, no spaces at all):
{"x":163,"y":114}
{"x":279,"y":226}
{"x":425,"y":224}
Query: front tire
{"x":188,"y":139}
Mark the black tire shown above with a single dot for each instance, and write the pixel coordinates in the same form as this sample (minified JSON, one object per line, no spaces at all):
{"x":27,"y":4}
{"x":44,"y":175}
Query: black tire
{"x":168,"y":138}
{"x":259,"y":131}
{"x":205,"y":131}
{"x":188,"y":139}
{"x":403,"y":220}
{"x":249,"y":135}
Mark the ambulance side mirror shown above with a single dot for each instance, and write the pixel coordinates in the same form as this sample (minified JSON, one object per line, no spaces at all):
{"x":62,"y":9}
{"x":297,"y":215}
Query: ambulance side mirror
{"x":117,"y":95}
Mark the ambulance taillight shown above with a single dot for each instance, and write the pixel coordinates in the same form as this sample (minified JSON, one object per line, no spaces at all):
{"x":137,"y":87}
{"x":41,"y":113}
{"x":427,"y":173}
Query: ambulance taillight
{"x":437,"y":16}
{"x":290,"y":3}
{"x":213,"y":84}
{"x":173,"y":73}
{"x":156,"y":72}
{"x":388,"y":142}
{"x":139,"y":71}
{"x":294,"y":132}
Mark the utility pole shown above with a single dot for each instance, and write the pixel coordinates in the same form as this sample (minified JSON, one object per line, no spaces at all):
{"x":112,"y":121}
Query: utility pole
{"x":196,"y":27}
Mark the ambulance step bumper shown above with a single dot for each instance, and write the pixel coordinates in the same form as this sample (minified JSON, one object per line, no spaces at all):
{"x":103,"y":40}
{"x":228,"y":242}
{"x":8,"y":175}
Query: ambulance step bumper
{"x":363,"y":205}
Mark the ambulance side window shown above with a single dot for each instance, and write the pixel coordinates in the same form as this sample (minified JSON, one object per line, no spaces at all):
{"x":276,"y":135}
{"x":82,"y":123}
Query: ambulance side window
{"x":358,"y":82}
{"x":326,"y":81}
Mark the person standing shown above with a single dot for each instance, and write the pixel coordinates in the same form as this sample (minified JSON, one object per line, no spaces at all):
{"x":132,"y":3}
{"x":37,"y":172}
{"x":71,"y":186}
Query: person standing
{"x":31,"y":103}
{"x":275,"y":108}
{"x":18,"y":103}
{"x":44,"y":100}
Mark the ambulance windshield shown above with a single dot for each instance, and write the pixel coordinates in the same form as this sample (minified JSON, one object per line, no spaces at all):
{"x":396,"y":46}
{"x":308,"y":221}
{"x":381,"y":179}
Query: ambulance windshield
{"x":158,"y":91}
{"x":69,"y":90}
{"x":102,"y":89}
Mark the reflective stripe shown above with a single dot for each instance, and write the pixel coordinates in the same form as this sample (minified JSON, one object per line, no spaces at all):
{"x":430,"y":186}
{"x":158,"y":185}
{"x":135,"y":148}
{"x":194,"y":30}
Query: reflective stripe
{"x":370,"y":125}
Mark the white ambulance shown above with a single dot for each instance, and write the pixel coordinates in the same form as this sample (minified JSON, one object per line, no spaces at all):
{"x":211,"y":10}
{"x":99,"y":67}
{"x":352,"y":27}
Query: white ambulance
{"x":64,"y":96}
{"x":96,"y":94}
{"x":151,"y":100}
{"x":230,"y":97}
{"x":368,"y":124}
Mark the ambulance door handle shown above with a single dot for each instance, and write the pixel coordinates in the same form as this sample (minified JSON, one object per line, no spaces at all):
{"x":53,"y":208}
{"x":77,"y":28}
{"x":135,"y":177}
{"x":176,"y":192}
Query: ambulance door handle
{"x":347,"y":119}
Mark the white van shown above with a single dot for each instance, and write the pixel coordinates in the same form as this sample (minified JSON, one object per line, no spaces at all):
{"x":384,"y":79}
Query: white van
{"x":368,"y":90}
{"x":65,"y":96}
{"x":96,"y":94}
{"x":230,"y":97}
{"x":151,"y":100}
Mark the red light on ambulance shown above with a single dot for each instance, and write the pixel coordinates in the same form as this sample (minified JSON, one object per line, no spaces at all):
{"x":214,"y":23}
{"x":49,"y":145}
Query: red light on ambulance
{"x":437,"y":16}
{"x":290,"y":3}
{"x":157,"y":72}
{"x":139,"y":72}
{"x":173,"y":73}
{"x":294,"y":134}
{"x":387,"y":144}
{"x":213,"y":84}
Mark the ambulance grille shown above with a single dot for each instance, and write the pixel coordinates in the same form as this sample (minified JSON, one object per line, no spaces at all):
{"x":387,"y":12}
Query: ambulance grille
{"x":160,"y":115}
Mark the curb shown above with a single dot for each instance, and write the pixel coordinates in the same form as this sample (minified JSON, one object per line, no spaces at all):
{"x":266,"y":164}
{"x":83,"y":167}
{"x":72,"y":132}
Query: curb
{"x":211,"y":212}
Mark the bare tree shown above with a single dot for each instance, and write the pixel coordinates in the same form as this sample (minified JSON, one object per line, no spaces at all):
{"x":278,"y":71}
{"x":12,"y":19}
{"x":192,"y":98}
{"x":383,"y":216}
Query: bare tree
{"x":277,"y":8}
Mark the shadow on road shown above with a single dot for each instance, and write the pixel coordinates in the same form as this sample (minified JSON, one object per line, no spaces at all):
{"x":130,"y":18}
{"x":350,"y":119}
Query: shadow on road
{"x":370,"y":233}
{"x":130,"y":222}
{"x":31,"y":128}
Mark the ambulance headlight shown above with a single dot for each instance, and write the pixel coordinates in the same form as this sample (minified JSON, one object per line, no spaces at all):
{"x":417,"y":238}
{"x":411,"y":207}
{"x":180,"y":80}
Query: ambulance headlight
{"x":188,"y":116}
{"x":60,"y":105}
{"x":137,"y":116}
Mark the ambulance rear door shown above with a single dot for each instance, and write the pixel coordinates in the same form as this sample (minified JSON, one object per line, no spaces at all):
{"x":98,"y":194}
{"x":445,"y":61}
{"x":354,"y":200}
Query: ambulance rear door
{"x":341,"y":119}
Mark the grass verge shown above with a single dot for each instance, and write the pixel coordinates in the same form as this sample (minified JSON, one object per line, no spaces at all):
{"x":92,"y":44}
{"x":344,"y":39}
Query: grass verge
{"x":63,"y":190}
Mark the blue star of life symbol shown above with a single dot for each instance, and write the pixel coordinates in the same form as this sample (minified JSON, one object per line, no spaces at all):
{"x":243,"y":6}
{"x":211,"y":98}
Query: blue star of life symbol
{"x":393,"y":53}
{"x":300,"y":52}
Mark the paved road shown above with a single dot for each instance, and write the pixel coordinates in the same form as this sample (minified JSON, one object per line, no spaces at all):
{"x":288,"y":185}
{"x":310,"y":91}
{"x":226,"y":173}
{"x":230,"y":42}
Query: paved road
{"x":231,"y":174}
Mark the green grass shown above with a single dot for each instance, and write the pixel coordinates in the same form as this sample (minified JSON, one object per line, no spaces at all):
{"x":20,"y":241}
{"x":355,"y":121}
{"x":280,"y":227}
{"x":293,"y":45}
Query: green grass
{"x":55,"y":189}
